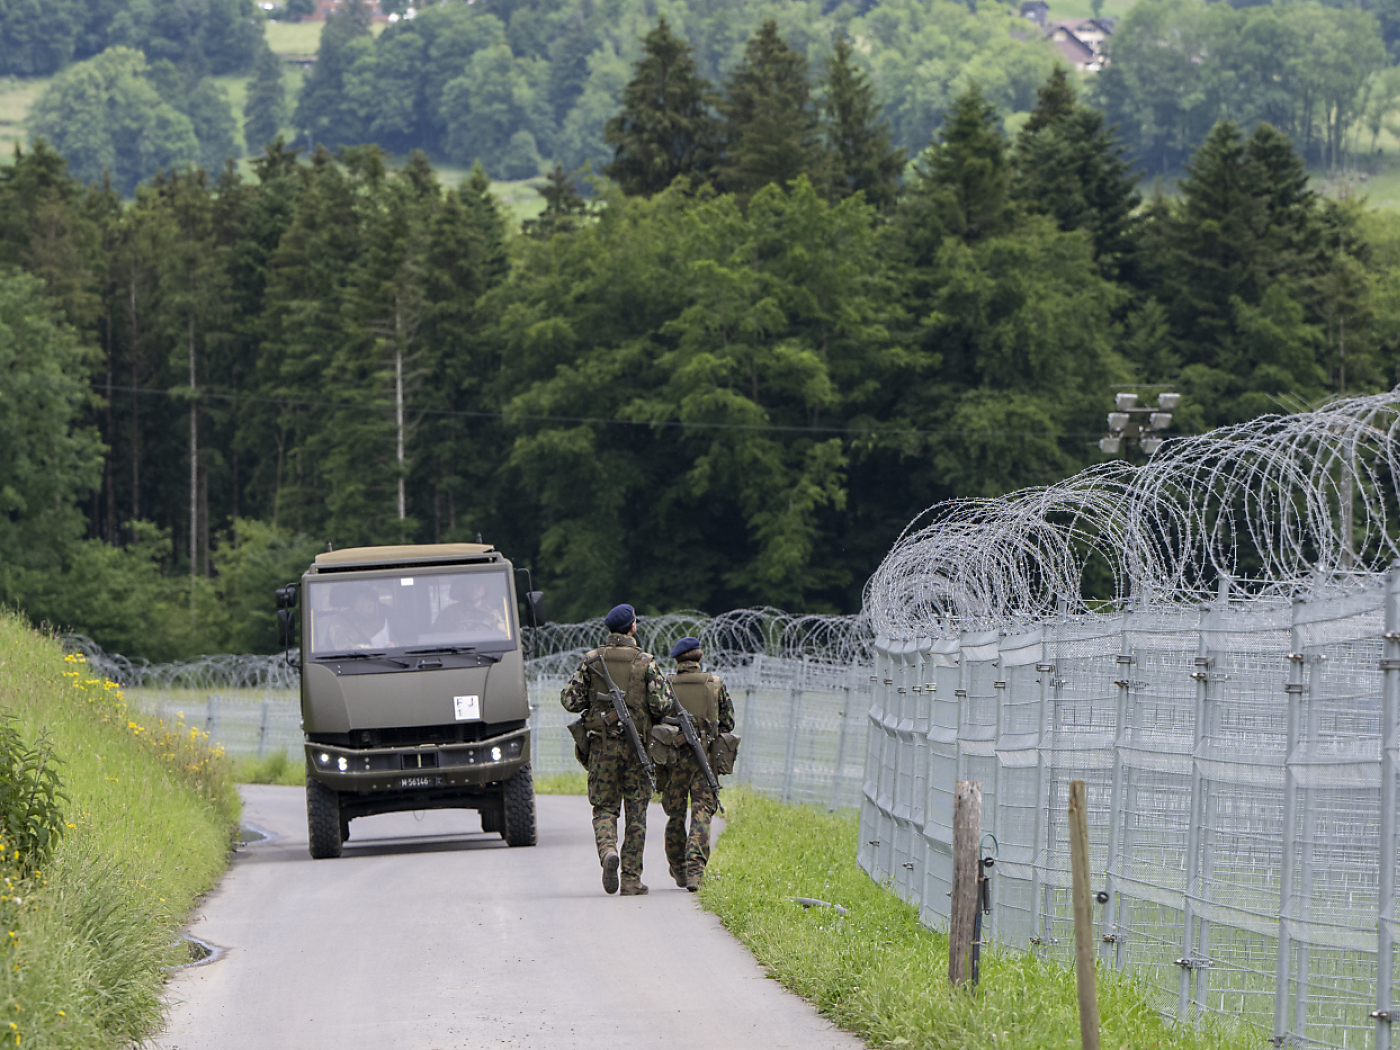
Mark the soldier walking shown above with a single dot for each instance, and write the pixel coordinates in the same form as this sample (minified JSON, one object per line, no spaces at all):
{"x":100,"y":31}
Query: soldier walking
{"x":702,"y":694}
{"x":616,"y":775}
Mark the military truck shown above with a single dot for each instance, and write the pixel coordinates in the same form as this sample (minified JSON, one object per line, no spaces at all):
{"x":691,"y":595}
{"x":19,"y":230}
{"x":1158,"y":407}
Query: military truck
{"x":412,"y":687}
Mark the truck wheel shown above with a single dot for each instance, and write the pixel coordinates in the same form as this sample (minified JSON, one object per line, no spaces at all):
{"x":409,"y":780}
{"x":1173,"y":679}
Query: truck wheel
{"x":322,"y":820}
{"x":519,"y":799}
{"x":491,"y":818}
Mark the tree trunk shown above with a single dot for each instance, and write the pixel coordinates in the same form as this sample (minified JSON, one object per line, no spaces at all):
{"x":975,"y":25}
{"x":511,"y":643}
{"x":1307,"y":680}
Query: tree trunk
{"x":135,"y":406}
{"x":111,"y":440}
{"x":194,"y":477}
{"x":398,"y":402}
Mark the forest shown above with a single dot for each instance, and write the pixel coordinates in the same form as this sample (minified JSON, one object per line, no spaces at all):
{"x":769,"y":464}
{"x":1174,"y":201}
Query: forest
{"x":522,"y":85}
{"x":730,"y":377}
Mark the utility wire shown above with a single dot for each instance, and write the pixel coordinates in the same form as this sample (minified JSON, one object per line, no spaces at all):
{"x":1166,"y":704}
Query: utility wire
{"x":595,"y":420}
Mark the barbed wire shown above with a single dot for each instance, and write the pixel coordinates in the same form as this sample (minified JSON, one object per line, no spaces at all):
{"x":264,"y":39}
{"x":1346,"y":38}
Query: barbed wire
{"x":729,"y":639}
{"x":1285,"y":506}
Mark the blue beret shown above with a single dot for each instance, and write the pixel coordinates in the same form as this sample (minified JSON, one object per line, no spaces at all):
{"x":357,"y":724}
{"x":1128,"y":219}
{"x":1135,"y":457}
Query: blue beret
{"x":620,"y":617}
{"x":684,"y":646}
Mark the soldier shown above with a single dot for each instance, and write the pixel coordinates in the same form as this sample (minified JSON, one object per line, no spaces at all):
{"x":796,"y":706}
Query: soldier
{"x":705,"y":697}
{"x":615,"y":774}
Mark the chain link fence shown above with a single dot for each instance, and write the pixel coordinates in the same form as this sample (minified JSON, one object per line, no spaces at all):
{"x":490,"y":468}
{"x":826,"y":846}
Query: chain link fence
{"x":800,"y":695}
{"x":1231,"y":700}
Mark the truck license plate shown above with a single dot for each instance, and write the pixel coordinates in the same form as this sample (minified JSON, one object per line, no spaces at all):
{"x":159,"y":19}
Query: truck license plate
{"x":417,"y":782}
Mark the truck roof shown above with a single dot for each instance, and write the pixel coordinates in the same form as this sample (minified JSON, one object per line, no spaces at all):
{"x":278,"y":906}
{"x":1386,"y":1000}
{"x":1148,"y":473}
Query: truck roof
{"x":405,"y":554}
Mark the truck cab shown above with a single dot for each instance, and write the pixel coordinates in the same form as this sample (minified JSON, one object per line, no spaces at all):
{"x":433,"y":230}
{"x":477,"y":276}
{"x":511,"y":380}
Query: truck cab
{"x":412,"y":687}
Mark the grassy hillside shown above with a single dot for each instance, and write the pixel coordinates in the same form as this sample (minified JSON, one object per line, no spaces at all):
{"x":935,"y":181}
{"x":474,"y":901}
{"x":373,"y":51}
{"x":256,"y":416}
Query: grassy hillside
{"x":147,"y":826}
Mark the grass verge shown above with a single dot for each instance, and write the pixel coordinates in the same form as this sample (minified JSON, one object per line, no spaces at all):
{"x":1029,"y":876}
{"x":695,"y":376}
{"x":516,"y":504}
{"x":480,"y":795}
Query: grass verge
{"x":148,"y":826}
{"x":881,"y":974}
{"x":562,"y":784}
{"x":276,"y":768}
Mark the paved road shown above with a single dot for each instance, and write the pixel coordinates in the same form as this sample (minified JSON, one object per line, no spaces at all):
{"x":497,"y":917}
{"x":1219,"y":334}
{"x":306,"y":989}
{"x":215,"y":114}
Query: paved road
{"x":430,"y":935}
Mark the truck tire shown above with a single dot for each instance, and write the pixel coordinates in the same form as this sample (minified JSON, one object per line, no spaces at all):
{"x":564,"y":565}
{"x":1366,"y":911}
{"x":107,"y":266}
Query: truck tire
{"x":322,"y":820}
{"x":519,"y":808}
{"x":491,"y":819}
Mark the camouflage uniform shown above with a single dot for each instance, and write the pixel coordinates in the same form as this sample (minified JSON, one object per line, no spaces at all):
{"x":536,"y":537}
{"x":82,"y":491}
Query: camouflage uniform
{"x":615,"y":775}
{"x":687,"y":788}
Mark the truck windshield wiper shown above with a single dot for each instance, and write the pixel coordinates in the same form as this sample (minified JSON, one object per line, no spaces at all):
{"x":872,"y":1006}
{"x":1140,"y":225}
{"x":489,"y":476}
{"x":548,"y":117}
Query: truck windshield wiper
{"x":437,"y":649}
{"x":357,"y":655}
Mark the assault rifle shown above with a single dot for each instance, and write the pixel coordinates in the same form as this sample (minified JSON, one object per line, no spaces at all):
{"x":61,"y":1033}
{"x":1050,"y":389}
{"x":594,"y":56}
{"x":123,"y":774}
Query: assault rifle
{"x":687,"y":724}
{"x":624,"y":716}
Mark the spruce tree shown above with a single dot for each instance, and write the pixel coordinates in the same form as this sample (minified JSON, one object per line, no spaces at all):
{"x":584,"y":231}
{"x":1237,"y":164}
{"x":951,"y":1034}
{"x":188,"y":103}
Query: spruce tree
{"x":771,"y":133}
{"x":964,"y":182}
{"x":564,"y":207}
{"x":265,"y":108}
{"x":323,"y":108}
{"x":862,"y":158}
{"x":1070,"y":167}
{"x":665,"y":128}
{"x":1054,"y":101}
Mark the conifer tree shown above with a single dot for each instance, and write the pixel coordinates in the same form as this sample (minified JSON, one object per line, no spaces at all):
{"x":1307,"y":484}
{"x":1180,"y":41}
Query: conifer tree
{"x":265,"y":108}
{"x":772,"y":133}
{"x":665,"y":128}
{"x":1054,"y":101}
{"x":323,"y":107}
{"x":1069,"y":166}
{"x":862,"y":158}
{"x":564,"y":207}
{"x":964,"y":182}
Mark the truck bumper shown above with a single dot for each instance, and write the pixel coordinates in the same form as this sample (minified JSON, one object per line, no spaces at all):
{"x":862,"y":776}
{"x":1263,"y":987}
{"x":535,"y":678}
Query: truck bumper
{"x":430,"y":769}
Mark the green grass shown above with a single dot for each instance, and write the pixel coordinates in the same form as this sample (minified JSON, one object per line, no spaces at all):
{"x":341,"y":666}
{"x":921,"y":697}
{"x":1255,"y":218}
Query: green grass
{"x":562,"y":784}
{"x":274,"y":769}
{"x":881,"y":974}
{"x":293,"y":38}
{"x":149,"y":826}
{"x":17,"y":97}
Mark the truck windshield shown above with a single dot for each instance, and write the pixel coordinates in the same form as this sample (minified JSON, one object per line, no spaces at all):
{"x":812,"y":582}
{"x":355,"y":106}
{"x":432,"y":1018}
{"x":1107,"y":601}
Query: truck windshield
{"x":469,"y":610}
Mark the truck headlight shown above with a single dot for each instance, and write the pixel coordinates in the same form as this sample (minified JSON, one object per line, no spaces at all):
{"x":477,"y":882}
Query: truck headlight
{"x":342,"y":765}
{"x":495,"y":754}
{"x":323,"y":759}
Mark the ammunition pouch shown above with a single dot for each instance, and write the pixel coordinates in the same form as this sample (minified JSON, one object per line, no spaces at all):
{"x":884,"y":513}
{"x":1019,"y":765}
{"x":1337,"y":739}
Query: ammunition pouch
{"x":663,"y":743}
{"x":579,"y":732}
{"x":723,"y":752}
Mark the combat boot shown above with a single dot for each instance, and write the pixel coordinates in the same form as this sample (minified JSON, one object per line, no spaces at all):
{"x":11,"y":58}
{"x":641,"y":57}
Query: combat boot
{"x":632,"y":886}
{"x":694,"y":876}
{"x":610,"y":864}
{"x":679,"y":875}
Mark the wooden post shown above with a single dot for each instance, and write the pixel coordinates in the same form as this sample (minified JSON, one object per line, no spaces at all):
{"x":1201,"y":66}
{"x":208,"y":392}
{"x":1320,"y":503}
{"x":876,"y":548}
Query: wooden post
{"x":962,"y":913}
{"x":1083,"y":917}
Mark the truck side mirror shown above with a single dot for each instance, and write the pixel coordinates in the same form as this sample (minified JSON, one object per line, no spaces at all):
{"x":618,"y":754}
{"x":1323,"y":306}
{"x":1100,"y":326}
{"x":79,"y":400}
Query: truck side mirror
{"x":286,"y":628}
{"x":534,"y":601}
{"x":286,"y":618}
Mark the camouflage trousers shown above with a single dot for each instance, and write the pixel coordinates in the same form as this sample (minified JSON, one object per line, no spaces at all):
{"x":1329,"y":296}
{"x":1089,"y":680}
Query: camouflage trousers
{"x":687,"y":789}
{"x":614,"y":777}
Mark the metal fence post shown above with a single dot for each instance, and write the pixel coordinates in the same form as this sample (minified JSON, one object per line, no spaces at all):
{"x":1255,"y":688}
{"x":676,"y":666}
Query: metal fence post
{"x":794,"y":691}
{"x":262,"y":728}
{"x":211,"y":715}
{"x":1193,"y":829}
{"x":1117,"y":812}
{"x":837,"y":779}
{"x":1293,"y":692}
{"x":746,"y":756}
{"x":1390,"y":770}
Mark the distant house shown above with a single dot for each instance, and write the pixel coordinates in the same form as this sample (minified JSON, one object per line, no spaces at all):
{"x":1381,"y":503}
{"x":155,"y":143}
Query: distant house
{"x":1080,"y":40}
{"x":1037,"y":11}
